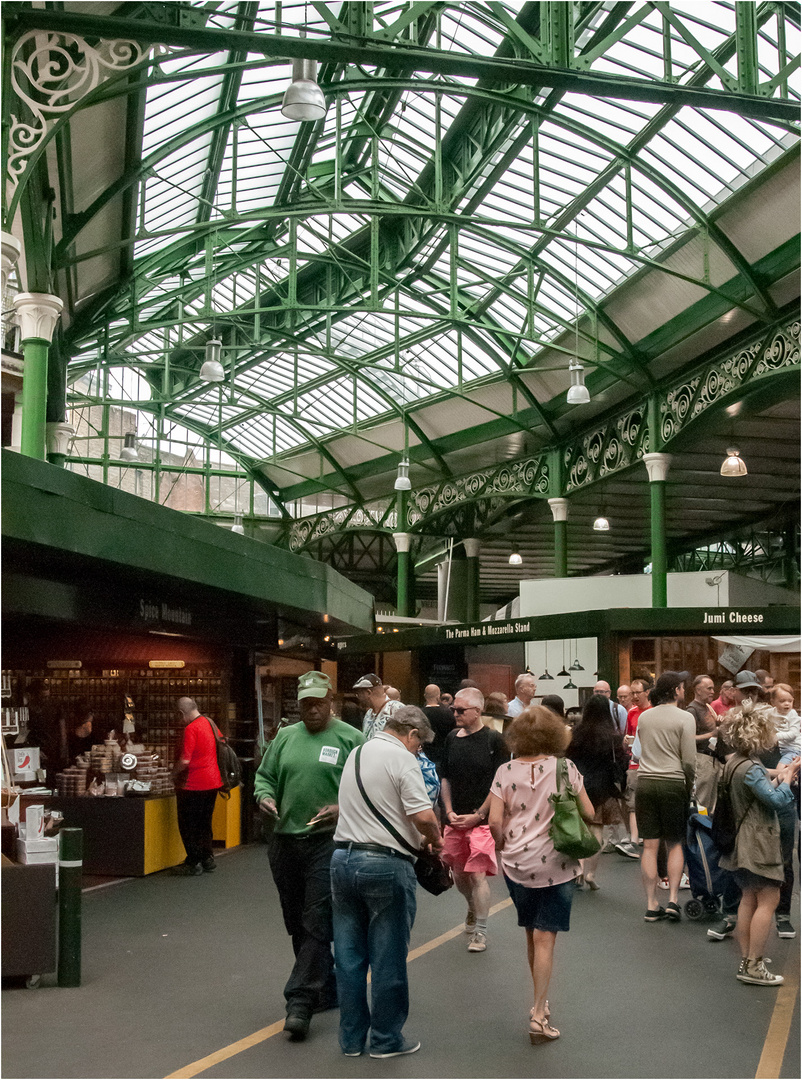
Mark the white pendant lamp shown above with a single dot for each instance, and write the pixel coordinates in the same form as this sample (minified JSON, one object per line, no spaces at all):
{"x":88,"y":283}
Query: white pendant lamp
{"x":212,"y":370}
{"x":303,"y":99}
{"x":129,"y":451}
{"x":578,"y":393}
{"x":402,"y":481}
{"x":734,"y":464}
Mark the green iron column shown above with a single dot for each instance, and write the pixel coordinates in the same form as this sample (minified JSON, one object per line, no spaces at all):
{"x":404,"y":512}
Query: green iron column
{"x":37,"y":314}
{"x":559,"y":511}
{"x":403,"y":581}
{"x":657,"y":467}
{"x":472,"y":548}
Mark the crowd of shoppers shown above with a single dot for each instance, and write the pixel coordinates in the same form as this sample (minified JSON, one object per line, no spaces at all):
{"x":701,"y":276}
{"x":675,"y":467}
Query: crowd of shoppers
{"x":474,"y":780}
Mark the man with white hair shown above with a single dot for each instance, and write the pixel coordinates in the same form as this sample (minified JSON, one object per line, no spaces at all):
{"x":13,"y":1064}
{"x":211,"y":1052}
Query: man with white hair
{"x":525,"y":687}
{"x":471,"y":757}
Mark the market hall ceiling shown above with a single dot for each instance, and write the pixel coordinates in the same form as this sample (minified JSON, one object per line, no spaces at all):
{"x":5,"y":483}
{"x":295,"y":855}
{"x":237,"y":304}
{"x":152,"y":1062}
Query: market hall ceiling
{"x":496,"y":189}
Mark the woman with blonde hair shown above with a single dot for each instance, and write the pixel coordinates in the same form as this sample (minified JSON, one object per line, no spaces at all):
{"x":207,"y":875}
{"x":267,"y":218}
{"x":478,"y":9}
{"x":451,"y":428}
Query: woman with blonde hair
{"x":539,"y":878}
{"x":756,"y":859}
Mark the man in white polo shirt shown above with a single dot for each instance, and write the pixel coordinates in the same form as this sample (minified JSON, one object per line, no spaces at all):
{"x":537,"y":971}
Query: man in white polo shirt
{"x":373,"y":884}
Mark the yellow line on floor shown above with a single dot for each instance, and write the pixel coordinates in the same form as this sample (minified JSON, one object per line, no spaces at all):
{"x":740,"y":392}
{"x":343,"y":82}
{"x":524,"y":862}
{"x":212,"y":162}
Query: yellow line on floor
{"x":263,"y":1034}
{"x":771,"y":1059}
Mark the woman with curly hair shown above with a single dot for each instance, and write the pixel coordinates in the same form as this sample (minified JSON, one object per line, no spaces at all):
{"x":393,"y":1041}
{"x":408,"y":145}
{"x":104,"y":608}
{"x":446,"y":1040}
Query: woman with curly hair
{"x":756,"y":859}
{"x":597,"y":750}
{"x":539,"y":878}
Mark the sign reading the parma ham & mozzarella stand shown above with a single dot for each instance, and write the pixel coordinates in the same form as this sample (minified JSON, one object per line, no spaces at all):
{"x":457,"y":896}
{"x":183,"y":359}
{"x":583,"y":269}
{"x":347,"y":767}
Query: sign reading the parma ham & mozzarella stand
{"x":654,"y":621}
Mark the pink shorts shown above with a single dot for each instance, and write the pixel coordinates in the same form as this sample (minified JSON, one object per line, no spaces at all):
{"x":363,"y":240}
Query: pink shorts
{"x":472,"y":851}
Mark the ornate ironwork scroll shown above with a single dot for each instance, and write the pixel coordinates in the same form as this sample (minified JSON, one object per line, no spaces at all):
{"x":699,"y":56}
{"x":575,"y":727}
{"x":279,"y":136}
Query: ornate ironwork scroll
{"x":50,"y":73}
{"x":608,"y":447}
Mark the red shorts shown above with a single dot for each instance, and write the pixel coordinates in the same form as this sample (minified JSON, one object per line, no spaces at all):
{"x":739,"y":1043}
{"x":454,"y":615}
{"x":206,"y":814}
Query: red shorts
{"x":473,"y":851}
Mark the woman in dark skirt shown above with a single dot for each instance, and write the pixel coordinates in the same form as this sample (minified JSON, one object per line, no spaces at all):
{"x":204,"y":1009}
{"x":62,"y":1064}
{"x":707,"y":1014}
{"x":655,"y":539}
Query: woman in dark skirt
{"x":539,"y":878}
{"x":597,"y":750}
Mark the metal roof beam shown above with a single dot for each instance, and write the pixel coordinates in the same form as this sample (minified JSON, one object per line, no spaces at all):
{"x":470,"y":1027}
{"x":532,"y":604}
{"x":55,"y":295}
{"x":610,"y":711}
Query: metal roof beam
{"x":371,"y":51}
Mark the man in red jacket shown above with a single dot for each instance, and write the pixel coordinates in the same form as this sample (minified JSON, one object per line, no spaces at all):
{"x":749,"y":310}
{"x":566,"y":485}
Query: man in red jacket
{"x":197,"y":781}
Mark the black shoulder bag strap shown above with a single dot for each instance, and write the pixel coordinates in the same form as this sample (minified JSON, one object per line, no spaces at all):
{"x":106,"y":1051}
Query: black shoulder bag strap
{"x":218,"y":735}
{"x":752,"y":799}
{"x":377,"y":813}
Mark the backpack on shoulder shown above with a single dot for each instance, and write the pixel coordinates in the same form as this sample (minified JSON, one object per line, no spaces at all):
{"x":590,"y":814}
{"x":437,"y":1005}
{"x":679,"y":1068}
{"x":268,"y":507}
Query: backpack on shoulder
{"x":725,"y":827}
{"x":227,"y":761}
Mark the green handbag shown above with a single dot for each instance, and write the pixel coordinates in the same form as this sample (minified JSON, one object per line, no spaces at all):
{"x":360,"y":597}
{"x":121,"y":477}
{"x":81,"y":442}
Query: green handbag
{"x":569,"y":833}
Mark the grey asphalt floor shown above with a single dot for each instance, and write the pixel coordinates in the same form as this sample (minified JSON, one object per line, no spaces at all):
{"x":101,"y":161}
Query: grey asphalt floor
{"x":175,"y":969}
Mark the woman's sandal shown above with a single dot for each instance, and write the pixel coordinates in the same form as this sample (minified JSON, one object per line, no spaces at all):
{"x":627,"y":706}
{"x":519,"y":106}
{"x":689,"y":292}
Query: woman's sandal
{"x":592,"y":884}
{"x":541,"y":1031}
{"x":546,"y":1009}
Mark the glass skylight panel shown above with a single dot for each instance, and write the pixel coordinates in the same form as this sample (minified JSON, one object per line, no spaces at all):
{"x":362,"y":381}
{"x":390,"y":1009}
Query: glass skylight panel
{"x":688,"y":177}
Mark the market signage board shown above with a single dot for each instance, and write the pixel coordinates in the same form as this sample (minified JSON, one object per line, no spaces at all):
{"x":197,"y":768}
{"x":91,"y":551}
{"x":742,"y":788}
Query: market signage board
{"x":772,"y":620}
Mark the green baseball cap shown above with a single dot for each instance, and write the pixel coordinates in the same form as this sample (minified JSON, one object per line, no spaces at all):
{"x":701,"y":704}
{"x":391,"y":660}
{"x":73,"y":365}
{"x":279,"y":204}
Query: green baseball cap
{"x":313,"y":684}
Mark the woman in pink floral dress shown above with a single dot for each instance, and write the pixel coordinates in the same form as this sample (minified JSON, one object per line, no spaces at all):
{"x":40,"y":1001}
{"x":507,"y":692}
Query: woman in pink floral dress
{"x":540,"y":879}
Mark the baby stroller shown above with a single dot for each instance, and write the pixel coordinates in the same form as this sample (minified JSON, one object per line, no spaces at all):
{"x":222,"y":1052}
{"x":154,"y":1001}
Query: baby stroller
{"x":701,"y":858}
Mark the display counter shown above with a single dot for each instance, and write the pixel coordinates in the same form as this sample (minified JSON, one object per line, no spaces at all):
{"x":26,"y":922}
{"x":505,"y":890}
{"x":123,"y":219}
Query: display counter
{"x":134,"y":836}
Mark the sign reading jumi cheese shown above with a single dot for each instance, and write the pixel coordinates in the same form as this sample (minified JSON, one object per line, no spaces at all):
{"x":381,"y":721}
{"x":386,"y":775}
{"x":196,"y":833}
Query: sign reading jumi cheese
{"x":723,"y":618}
{"x":165,"y":663}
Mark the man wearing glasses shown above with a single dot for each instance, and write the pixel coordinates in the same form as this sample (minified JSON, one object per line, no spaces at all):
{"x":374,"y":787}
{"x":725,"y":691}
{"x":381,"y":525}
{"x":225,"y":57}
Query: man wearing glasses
{"x":471,"y":756}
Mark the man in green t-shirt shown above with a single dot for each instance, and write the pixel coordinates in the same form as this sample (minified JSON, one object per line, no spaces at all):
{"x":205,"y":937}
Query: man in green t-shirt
{"x":298,"y":783}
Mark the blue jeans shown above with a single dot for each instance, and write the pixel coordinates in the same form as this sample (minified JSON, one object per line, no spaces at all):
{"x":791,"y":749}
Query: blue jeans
{"x":373,"y":904}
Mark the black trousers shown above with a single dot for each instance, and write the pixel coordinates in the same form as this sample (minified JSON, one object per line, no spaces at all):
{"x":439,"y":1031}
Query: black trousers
{"x":195,"y":809}
{"x":301,"y":868}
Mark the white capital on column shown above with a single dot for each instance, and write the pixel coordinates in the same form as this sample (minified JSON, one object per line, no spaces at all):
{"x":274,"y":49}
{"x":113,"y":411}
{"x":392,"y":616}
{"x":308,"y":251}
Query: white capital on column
{"x":402,"y":541}
{"x":11,"y":249}
{"x":472,"y":547}
{"x":657,"y":465}
{"x":559,"y":509}
{"x":37,"y":314}
{"x":58,"y":436}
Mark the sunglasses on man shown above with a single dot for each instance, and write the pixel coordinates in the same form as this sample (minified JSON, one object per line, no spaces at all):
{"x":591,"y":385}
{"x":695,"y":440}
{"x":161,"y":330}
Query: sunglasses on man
{"x":458,"y":710}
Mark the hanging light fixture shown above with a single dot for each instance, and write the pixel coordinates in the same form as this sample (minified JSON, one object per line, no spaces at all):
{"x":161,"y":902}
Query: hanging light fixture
{"x":734,"y":464}
{"x":402,"y":481}
{"x":601,"y":524}
{"x":129,"y":451}
{"x":238,"y":527}
{"x":515,"y":557}
{"x":570,"y":685}
{"x":564,"y":670}
{"x":303,"y":99}
{"x":578,"y":393}
{"x":545,"y":674}
{"x":576,"y":666}
{"x":212,"y":370}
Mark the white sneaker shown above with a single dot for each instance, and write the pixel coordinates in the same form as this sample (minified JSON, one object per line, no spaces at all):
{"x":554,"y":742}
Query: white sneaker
{"x":684,"y":883}
{"x":756,"y":973}
{"x":663,"y":883}
{"x":478,"y":942}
